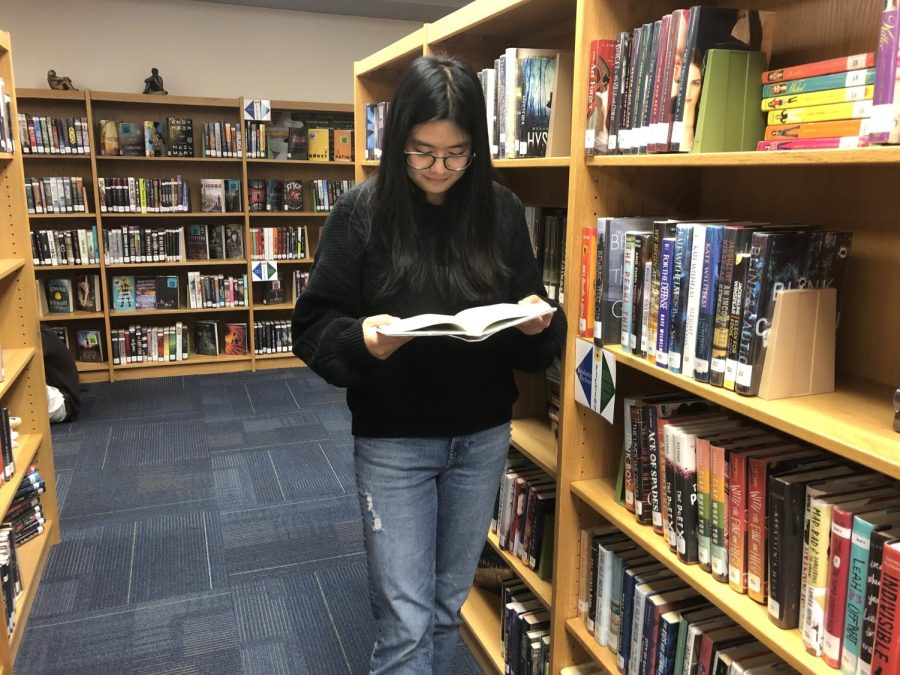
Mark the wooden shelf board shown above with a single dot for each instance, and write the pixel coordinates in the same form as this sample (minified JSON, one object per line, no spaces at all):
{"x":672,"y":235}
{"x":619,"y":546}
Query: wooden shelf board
{"x":276,"y":355}
{"x":273,"y":364}
{"x":369,"y":163}
{"x":289,"y":214}
{"x":71,"y":316}
{"x":51,"y":94}
{"x":542,"y":589}
{"x":481,"y":615}
{"x":180,"y":263}
{"x":293,"y":162}
{"x":273,"y":308}
{"x":179,"y":214}
{"x":873,"y":155}
{"x":6,"y":155}
{"x":599,"y":653}
{"x":9,"y":266}
{"x":406,"y":48}
{"x":532,"y":163}
{"x":87,"y":367}
{"x":788,"y":644}
{"x":32,"y":557}
{"x":59,"y":268}
{"x":121,"y":158}
{"x":182,"y":310}
{"x":500,"y":18}
{"x":50,"y":216}
{"x":55,"y":155}
{"x":169,"y":100}
{"x":14,"y":362}
{"x":854,"y":421}
{"x":192,"y":360}
{"x":533,"y":437}
{"x":23,"y":457}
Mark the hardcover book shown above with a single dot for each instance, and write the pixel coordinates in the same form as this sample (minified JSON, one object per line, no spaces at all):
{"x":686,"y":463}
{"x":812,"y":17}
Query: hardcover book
{"x":236,"y":339}
{"x":89,"y":346}
{"x":212,"y":195}
{"x":293,"y":195}
{"x":206,"y":334}
{"x":216,"y":235}
{"x":154,"y":139}
{"x":145,"y":292}
{"x":59,"y":296}
{"x":318,"y":139}
{"x":274,"y":291}
{"x":88,"y":295}
{"x":109,"y":137}
{"x":123,"y":293}
{"x":196,"y":242}
{"x":537,"y":79}
{"x":342,"y":141}
{"x":234,"y":242}
{"x":131,"y":139}
{"x":274,"y":194}
{"x":233,"y":196}
{"x":257,"y":194}
{"x":167,"y":292}
{"x":298,"y":144}
{"x":180,"y":137}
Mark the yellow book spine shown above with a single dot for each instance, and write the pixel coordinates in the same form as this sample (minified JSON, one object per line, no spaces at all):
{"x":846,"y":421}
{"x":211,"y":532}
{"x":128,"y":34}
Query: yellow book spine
{"x":812,"y":603}
{"x":821,"y":113}
{"x":844,"y":94}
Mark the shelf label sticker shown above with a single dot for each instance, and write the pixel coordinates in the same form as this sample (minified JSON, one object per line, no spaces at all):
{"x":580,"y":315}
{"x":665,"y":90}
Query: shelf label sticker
{"x":258,"y":110}
{"x":265,"y":270}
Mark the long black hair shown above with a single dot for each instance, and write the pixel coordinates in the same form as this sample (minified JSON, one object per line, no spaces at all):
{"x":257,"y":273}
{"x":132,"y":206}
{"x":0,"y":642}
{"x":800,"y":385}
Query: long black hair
{"x":469,"y":267}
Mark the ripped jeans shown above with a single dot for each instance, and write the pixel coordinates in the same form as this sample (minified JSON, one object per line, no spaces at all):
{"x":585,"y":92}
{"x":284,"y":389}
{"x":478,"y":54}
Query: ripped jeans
{"x":426,"y":506}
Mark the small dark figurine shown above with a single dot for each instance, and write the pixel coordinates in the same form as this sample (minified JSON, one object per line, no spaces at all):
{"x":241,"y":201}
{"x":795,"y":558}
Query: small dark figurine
{"x":154,"y":83}
{"x":57,"y":82}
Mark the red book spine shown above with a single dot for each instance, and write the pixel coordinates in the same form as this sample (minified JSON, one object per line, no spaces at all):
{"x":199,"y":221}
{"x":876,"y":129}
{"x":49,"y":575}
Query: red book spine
{"x":737,"y":522}
{"x":886,"y":650}
{"x":588,"y":274}
{"x":836,"y":585}
{"x":658,"y":99}
{"x":826,"y":67}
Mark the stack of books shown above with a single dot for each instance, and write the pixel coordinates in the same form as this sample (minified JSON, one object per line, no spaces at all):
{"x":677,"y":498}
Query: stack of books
{"x":820,"y":105}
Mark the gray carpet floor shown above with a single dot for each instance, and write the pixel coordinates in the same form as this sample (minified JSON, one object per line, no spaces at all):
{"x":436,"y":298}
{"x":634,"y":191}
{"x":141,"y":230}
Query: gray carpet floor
{"x":209,"y":525}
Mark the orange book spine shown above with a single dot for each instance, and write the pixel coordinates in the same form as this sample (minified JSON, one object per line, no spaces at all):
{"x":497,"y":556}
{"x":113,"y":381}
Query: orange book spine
{"x":588,"y":274}
{"x":782,"y":132}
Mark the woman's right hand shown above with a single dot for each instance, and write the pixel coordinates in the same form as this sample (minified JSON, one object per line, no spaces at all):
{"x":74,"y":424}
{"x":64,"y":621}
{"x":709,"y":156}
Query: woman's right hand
{"x":379,"y":345}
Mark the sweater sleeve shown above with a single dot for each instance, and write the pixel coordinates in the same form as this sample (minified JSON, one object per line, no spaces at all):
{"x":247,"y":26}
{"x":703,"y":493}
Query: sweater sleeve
{"x":530,"y":352}
{"x":326,"y":326}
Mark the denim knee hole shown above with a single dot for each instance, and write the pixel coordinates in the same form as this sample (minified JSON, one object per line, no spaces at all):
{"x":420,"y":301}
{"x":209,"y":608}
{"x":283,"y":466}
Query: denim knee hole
{"x":376,"y":519}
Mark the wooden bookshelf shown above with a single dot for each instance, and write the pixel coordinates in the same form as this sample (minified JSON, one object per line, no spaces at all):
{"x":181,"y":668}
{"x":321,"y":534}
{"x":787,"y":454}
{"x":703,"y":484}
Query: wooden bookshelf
{"x":534,"y":438}
{"x":481,"y":623}
{"x":97,"y":105}
{"x":541,"y":588}
{"x":837,"y":189}
{"x":23,"y":389}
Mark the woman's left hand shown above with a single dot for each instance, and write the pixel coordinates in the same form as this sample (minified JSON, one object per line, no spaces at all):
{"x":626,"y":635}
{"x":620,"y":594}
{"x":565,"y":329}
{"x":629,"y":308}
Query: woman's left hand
{"x":538,"y":324}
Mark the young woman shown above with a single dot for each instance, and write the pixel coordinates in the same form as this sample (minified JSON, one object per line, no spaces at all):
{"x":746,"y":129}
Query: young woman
{"x":430,"y":233}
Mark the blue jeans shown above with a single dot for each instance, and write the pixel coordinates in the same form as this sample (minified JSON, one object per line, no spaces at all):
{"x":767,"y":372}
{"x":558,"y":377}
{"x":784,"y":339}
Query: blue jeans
{"x":426,"y":505}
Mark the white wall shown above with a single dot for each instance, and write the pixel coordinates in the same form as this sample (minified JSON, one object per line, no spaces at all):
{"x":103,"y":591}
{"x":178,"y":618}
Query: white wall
{"x":200,"y":48}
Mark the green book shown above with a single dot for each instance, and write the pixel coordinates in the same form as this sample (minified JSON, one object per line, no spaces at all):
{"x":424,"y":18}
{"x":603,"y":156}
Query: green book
{"x":688,"y":617}
{"x":729,"y":118}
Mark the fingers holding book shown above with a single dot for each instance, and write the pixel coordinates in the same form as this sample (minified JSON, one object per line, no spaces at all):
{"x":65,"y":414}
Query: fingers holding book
{"x":539,"y":323}
{"x":381,"y":346}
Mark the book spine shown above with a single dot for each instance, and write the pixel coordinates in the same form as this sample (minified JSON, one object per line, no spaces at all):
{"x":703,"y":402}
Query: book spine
{"x":864,"y":664}
{"x":680,"y":272}
{"x":751,"y":303}
{"x":885,"y":73}
{"x":588,"y":277}
{"x":863,"y":77}
{"x":686,"y":497}
{"x":818,"y":98}
{"x":719,"y":349}
{"x":737,"y":522}
{"x":704,"y":499}
{"x":886,"y":648}
{"x":671,"y":496}
{"x":813,"y":600}
{"x":821,"y":113}
{"x":836,"y":594}
{"x":626,"y":131}
{"x":654,"y":465}
{"x":665,"y":299}
{"x":756,"y":530}
{"x":718,"y":549}
{"x":599,"y":243}
{"x":627,"y":291}
{"x":826,"y":67}
{"x":631,"y":420}
{"x":709,"y":282}
{"x":594,"y":75}
{"x":828,"y":143}
{"x":856,"y":595}
{"x":804,"y":130}
{"x":677,"y":136}
{"x":620,"y":90}
{"x":786,"y":509}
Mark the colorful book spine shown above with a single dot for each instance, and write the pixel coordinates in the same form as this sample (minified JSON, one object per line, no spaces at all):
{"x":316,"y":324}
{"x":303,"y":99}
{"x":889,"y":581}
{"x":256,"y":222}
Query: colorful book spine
{"x":885,"y":73}
{"x":709,"y":283}
{"x":812,"y":604}
{"x":816,"y":68}
{"x":665,"y":302}
{"x":779,"y":132}
{"x":821,"y":113}
{"x":588,"y":278}
{"x":854,"y":78}
{"x":826,"y":97}
{"x":628,"y":291}
{"x":704,"y":500}
{"x":886,"y":649}
{"x":680,"y":278}
{"x":828,"y":143}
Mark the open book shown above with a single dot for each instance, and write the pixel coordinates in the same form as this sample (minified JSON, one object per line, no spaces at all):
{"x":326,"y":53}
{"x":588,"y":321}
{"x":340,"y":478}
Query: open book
{"x":473,"y":324}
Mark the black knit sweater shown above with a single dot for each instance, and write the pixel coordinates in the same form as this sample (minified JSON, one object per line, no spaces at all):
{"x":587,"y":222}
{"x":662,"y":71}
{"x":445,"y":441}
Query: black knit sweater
{"x":431,"y":386}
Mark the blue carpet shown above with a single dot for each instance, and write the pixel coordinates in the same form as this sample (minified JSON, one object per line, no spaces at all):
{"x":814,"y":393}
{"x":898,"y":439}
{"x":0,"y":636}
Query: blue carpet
{"x":209,"y":525}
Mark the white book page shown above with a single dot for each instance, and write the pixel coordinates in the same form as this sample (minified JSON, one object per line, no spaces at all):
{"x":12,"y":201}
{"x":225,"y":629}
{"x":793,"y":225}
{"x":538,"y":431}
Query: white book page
{"x":475,"y":322}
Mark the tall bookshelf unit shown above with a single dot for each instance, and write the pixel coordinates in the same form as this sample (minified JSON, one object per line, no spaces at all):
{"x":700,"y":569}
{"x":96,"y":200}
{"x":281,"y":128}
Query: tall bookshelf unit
{"x":99,"y":105}
{"x":23,"y":387}
{"x":839,"y":189}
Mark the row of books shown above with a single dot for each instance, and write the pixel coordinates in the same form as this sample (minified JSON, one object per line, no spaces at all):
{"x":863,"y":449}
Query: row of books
{"x":56,"y":194}
{"x":652,"y":620}
{"x":130,"y":292}
{"x":215,"y":338}
{"x":523,"y":518}
{"x":7,"y":142}
{"x":699,"y":298}
{"x":24,"y":516}
{"x":65,"y":247}
{"x":40,"y":134}
{"x":299,"y":142}
{"x":275,"y":291}
{"x":144,"y":195}
{"x":88,"y":343}
{"x":279,"y":242}
{"x":216,"y":290}
{"x":197,"y":241}
{"x":547,"y":231}
{"x":272,"y":337}
{"x":524,"y":629}
{"x":274,"y":194}
{"x":174,"y":138}
{"x":141,"y":344}
{"x":58,"y":296}
{"x":748,"y":505}
{"x":833,"y":110}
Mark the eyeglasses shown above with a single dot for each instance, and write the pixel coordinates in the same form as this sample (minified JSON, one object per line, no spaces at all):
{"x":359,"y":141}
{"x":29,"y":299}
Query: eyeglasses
{"x":425,"y":160}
